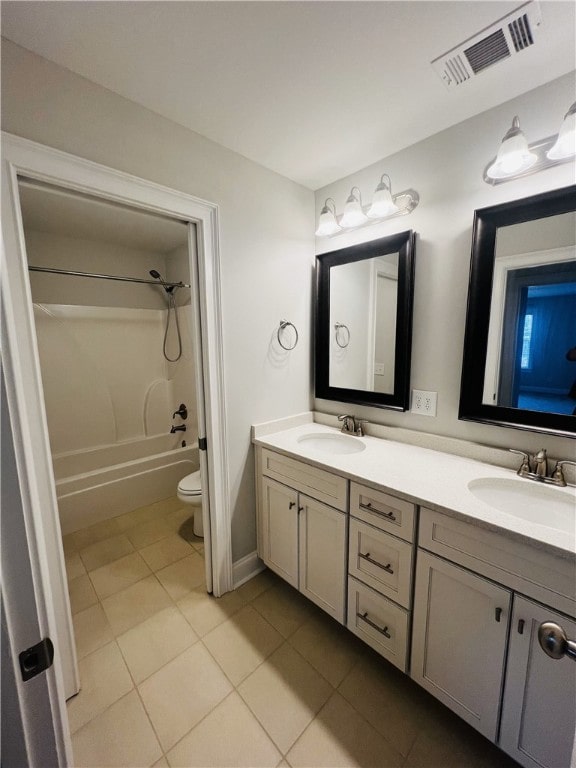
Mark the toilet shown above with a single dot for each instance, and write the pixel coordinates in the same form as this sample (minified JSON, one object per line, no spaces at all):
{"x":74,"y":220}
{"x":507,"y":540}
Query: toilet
{"x":190,"y":492}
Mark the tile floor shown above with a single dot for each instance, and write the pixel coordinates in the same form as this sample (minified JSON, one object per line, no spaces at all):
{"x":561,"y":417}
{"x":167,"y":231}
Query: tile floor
{"x":173,"y":677}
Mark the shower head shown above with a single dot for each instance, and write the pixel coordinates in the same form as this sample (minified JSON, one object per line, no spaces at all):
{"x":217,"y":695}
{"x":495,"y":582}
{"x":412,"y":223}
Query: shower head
{"x":157,"y":276}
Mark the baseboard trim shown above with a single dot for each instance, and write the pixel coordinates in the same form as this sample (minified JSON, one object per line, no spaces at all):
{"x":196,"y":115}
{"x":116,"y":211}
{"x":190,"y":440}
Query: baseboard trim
{"x":246,"y":568}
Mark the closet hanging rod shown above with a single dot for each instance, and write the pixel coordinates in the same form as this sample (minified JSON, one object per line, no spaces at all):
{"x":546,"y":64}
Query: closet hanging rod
{"x":55,"y":271}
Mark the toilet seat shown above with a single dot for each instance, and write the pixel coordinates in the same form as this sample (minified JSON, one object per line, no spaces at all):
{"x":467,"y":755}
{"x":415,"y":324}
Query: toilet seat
{"x":190,"y":485}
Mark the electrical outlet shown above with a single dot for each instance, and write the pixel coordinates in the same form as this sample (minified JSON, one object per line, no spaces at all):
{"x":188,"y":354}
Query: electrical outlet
{"x":424,"y":402}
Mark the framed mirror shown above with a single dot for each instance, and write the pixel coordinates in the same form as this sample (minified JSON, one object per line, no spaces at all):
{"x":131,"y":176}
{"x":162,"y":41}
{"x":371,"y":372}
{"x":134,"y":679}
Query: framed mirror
{"x":364,"y":322}
{"x":519,"y":366}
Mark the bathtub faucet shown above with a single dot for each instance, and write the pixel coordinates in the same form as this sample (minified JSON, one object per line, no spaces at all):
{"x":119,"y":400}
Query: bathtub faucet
{"x":179,"y":428}
{"x":182,"y":412}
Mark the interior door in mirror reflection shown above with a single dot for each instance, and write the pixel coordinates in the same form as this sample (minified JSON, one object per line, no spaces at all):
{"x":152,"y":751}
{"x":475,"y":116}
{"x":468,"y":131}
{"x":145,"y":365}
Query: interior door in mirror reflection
{"x":526,"y":365}
{"x":521,"y":322}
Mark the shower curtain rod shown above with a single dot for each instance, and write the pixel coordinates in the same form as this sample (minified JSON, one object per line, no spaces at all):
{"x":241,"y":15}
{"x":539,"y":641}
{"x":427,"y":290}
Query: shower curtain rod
{"x":55,"y":271}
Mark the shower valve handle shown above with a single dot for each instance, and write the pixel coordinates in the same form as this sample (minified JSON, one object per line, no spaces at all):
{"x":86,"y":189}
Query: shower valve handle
{"x":182,"y":412}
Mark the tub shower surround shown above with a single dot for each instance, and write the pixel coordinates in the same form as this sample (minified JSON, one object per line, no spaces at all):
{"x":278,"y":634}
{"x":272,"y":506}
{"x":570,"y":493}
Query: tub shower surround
{"x":101,"y":483}
{"x":110,"y":396}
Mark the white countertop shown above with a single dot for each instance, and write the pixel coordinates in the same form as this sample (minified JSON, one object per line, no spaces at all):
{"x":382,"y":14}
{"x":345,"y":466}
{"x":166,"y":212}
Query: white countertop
{"x":432,"y":478}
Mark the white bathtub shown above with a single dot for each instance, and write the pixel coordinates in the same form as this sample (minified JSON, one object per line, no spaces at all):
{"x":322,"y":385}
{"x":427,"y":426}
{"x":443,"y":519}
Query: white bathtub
{"x":100,"y":483}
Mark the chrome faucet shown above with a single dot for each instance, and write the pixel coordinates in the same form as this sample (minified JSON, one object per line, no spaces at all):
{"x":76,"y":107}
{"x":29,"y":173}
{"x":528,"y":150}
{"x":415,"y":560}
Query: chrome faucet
{"x":536,"y":468}
{"x":558,"y":473}
{"x":351,"y":425}
{"x":541,"y":463}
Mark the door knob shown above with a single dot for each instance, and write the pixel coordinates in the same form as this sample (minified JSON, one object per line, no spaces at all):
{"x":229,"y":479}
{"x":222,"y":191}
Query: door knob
{"x":554,"y":642}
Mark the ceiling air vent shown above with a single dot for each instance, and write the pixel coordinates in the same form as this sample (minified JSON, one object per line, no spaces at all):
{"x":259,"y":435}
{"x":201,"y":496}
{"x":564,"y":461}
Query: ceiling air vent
{"x":500,"y":41}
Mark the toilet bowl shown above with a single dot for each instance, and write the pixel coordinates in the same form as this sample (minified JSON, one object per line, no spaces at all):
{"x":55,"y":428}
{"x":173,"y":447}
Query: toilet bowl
{"x":190,"y":492}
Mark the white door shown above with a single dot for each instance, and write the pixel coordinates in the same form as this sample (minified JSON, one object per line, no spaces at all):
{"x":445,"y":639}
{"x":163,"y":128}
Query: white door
{"x":279,"y":540}
{"x":459,"y":640}
{"x":322,"y":533}
{"x":539,"y":709}
{"x":34,"y":722}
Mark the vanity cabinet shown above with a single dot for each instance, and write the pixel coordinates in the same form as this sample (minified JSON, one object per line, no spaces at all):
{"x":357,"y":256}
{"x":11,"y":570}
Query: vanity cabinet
{"x":279,"y":530}
{"x":539,"y":707}
{"x":380,"y":567}
{"x":459,"y":646}
{"x":301,"y":538}
{"x":480,"y":597}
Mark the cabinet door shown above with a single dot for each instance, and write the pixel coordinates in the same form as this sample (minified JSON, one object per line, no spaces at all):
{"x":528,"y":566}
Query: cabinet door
{"x":459,"y":640}
{"x":539,"y":709}
{"x":323,"y":556}
{"x":279,"y":530}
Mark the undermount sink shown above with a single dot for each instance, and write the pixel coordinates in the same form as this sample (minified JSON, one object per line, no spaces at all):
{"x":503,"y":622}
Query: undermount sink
{"x":334,"y":444}
{"x":528,"y":500}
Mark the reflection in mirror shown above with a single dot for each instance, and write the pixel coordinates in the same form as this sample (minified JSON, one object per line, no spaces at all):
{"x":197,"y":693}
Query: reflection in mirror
{"x":533,"y":317}
{"x":364,"y":321}
{"x":519,"y":365}
{"x":363,"y":302}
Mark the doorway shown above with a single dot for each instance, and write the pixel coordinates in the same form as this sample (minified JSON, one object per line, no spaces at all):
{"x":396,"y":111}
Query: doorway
{"x":538,"y":330}
{"x":23,"y":159}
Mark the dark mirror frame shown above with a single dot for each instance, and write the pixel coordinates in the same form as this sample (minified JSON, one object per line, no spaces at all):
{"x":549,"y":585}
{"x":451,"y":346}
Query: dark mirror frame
{"x":486,"y":223}
{"x":402,"y":243}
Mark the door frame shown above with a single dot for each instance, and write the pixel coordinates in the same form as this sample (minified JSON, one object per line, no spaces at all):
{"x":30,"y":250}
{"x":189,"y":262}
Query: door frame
{"x":20,"y":354}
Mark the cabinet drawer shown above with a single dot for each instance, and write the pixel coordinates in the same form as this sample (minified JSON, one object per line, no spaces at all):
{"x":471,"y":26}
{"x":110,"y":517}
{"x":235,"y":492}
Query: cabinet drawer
{"x":381,"y":561}
{"x":380,"y":623}
{"x":518,"y":565}
{"x":382,"y":510}
{"x":312,"y":481}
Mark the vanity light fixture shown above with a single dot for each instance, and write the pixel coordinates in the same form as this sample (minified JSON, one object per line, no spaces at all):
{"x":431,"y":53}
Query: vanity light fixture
{"x":382,"y":202}
{"x":327,"y":224}
{"x":384,"y":205}
{"x":517,"y":158}
{"x":565,"y":144}
{"x":513,"y":156}
{"x":353,"y":215}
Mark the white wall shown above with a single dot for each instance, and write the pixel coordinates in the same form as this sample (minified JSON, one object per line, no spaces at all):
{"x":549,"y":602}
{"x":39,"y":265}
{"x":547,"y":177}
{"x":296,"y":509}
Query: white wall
{"x":349,"y":286}
{"x":266,"y":239}
{"x":446,"y":170}
{"x":538,"y":235}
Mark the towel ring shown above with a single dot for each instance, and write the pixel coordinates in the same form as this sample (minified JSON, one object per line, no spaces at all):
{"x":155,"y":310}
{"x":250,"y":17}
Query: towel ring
{"x":341,"y":328}
{"x":284,"y":324}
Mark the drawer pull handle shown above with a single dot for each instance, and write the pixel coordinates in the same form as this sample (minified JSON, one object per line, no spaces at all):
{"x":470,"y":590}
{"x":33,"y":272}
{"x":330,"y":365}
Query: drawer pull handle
{"x":498,"y":614}
{"x":368,"y":505}
{"x":383,"y":631}
{"x":367,"y":557}
{"x":292,"y":505}
{"x":300,"y":509}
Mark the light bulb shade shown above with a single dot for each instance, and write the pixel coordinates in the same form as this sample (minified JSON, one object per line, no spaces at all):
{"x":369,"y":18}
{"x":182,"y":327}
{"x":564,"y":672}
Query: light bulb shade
{"x":353,"y":215}
{"x":565,"y":144}
{"x":513,"y":156}
{"x":327,"y":224}
{"x":382,"y":203}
